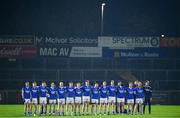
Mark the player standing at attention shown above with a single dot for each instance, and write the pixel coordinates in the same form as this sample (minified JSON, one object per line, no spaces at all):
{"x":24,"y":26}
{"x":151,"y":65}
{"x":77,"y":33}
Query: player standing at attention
{"x":70,"y":98}
{"x":130,"y":98}
{"x":78,"y":98}
{"x":95,"y":98}
{"x":103,"y":97}
{"x":148,"y":96}
{"x":34,"y":94}
{"x":139,"y":99}
{"x":86,"y":96}
{"x":121,"y":93}
{"x":61,"y":98}
{"x":112,"y":97}
{"x":43,"y":92}
{"x":52,"y":99}
{"x":26,"y":96}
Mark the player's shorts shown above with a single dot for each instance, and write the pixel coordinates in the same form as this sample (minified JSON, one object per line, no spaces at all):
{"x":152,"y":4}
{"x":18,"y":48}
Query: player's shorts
{"x":61,"y":101}
{"x":70,"y":100}
{"x":130,"y":101}
{"x":112,"y":99}
{"x":120,"y":100}
{"x":26,"y":101}
{"x":43,"y":100}
{"x":86,"y":98}
{"x":139,"y":100}
{"x":103,"y":100}
{"x":94,"y":101}
{"x":78,"y":100}
{"x":52,"y":101}
{"x":34,"y":101}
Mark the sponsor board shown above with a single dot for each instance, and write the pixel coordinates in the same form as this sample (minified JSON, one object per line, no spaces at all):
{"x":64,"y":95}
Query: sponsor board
{"x":17,"y":51}
{"x":141,"y":53}
{"x":17,"y":40}
{"x":67,"y":51}
{"x":86,"y":52}
{"x":170,"y":42}
{"x":71,"y":41}
{"x":128,"y":42}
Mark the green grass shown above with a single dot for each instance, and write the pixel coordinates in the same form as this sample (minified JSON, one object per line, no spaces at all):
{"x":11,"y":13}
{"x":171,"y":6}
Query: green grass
{"x":158,"y":111}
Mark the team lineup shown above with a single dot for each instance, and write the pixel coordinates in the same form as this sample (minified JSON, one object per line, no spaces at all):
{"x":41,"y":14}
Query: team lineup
{"x":110,"y":99}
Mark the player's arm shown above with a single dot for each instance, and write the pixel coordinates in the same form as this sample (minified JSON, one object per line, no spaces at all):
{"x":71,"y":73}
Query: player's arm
{"x":22,"y":93}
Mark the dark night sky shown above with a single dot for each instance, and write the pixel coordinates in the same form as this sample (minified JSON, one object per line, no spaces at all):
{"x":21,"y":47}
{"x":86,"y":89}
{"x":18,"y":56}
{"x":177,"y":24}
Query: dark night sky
{"x":65,"y":18}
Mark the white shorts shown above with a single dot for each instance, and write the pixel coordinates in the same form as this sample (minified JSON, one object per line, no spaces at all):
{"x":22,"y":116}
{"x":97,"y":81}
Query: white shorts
{"x":43,"y":100}
{"x":52,"y":101}
{"x":112,"y":99}
{"x":139,"y":100}
{"x":34,"y":101}
{"x":103,"y":100}
{"x":86,"y":98}
{"x":70,"y":100}
{"x":61,"y":101}
{"x":78,"y":100}
{"x":26,"y":101}
{"x":130,"y":101}
{"x":120,"y":100}
{"x":94,"y":101}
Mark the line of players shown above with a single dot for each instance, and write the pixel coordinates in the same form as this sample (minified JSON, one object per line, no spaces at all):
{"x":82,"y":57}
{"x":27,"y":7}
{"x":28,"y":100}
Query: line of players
{"x":72,"y":95}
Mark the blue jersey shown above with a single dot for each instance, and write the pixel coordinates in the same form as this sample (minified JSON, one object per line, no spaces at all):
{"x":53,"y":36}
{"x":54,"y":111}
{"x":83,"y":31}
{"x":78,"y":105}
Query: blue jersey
{"x":26,"y":92}
{"x":130,"y":93}
{"x":52,"y":93}
{"x":78,"y":92}
{"x":34,"y":92}
{"x":121,"y":92}
{"x":43,"y":91}
{"x":95,"y":93}
{"x":112,"y":91}
{"x":86,"y":90}
{"x":61,"y":92}
{"x":139,"y":93}
{"x":70,"y":92}
{"x":103,"y":92}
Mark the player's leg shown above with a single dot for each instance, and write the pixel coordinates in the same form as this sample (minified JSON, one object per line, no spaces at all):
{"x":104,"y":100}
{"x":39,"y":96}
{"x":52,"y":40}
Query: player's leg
{"x":149,"y":106}
{"x":122,"y":107}
{"x":96,"y":108}
{"x":87,"y":107}
{"x":79,"y":107}
{"x":62,"y":107}
{"x":100,"y":107}
{"x":135,"y":108}
{"x":109,"y":105}
{"x":50,"y":107}
{"x":113,"y":106}
{"x":25,"y":108}
{"x":105,"y":107}
{"x":67,"y":108}
{"x":59,"y":108}
{"x":54,"y":106}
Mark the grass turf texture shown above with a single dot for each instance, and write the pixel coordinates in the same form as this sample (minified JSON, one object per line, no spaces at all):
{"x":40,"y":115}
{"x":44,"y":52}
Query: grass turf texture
{"x":158,"y":111}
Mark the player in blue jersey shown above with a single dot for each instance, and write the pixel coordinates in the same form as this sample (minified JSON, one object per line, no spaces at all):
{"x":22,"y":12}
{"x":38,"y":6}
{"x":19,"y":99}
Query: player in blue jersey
{"x":26,"y":96}
{"x":86,"y":96}
{"x":121,"y":93}
{"x":78,"y":98}
{"x":95,"y":98}
{"x":130,"y":98}
{"x":61,"y":98}
{"x":139,"y":99}
{"x":112,"y":97}
{"x":103,"y":97}
{"x":70,"y":98}
{"x":43,"y":93}
{"x":34,"y":94}
{"x":52,"y":98}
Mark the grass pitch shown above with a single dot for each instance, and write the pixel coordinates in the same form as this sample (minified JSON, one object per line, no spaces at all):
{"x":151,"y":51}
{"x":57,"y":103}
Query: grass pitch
{"x":158,"y":111}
